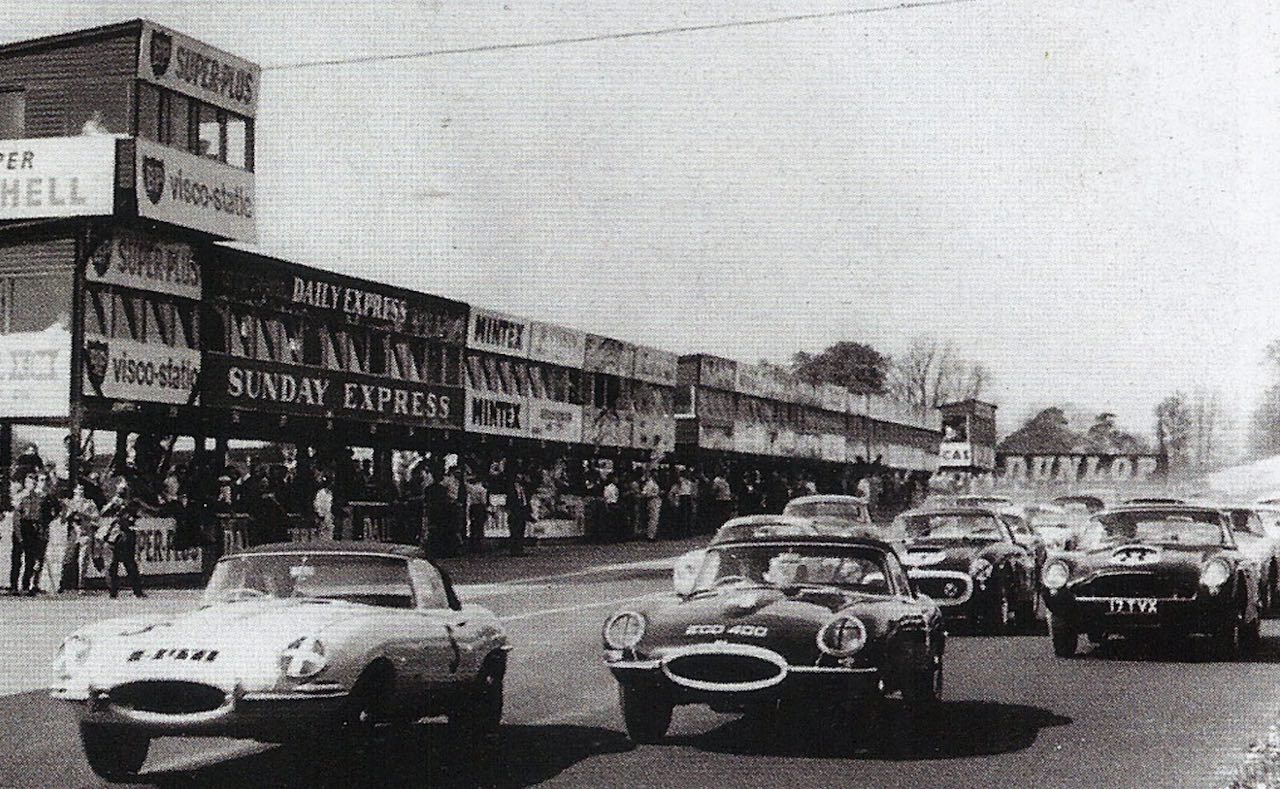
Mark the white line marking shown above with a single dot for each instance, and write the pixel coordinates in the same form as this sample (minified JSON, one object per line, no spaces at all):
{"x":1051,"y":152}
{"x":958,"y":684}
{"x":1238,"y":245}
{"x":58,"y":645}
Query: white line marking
{"x":583,"y":607}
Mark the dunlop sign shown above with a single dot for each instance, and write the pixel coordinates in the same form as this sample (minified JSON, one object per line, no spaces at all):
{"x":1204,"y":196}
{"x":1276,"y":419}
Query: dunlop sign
{"x":1077,"y":468}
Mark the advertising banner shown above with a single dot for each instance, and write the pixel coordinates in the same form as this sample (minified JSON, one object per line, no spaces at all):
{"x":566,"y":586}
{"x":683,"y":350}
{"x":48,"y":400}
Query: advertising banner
{"x":716,"y":372}
{"x":144,"y":372}
{"x":606,"y":428}
{"x":156,"y":554}
{"x":35,"y":373}
{"x":136,"y":260}
{"x":172,"y":60}
{"x":57,"y":176}
{"x":1017,"y":469}
{"x":607,"y":355}
{"x":190,"y":191}
{"x":952,"y":454}
{"x":233,"y":382}
{"x":245,"y":278}
{"x":656,"y":366}
{"x":751,"y":438}
{"x":494,"y":331}
{"x":715,"y":437}
{"x":654,"y":432}
{"x":557,"y":344}
{"x":496,"y":414}
{"x":551,"y":420}
{"x":833,"y":447}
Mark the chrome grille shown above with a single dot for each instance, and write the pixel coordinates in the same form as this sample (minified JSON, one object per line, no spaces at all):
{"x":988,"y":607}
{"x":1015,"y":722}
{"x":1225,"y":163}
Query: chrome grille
{"x":1135,"y":585}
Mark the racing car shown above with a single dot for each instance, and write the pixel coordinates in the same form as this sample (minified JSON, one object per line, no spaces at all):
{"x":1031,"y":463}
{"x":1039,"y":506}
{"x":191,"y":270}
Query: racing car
{"x":289,"y":642}
{"x":1171,"y":569}
{"x":770,"y":620}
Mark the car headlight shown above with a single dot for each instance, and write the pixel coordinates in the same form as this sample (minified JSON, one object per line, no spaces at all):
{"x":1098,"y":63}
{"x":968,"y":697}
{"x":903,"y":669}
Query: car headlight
{"x":1056,"y":575}
{"x":624,"y":630}
{"x":1214,"y":574}
{"x":842,"y":636}
{"x":303,"y":658}
{"x":72,"y":654}
{"x":980,"y":569}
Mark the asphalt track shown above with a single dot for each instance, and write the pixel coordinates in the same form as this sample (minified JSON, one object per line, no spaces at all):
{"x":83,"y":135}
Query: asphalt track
{"x":1125,"y":715}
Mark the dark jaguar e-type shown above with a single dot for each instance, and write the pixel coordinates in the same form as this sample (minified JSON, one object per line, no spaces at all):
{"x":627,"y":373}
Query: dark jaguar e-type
{"x":768,"y":620}
{"x":981,"y":565}
{"x":1169,"y":568}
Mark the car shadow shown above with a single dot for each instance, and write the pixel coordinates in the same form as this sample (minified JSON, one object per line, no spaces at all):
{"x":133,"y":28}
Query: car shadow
{"x":948,"y":730}
{"x":1194,"y":650}
{"x":425,"y":755}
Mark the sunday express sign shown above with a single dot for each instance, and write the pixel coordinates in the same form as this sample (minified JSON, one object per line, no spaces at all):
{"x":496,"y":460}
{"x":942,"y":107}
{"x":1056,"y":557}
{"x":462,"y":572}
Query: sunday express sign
{"x":182,"y":64}
{"x":251,"y":384}
{"x":57,"y":176}
{"x":190,"y":191}
{"x":139,"y":261}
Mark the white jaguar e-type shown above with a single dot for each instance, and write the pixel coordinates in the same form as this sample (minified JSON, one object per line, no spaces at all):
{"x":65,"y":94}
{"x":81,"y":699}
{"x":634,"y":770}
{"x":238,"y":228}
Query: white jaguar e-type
{"x":289,"y":638}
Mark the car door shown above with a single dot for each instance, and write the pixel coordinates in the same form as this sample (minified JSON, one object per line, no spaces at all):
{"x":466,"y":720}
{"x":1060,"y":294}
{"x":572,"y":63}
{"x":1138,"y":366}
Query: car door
{"x":440,"y":653}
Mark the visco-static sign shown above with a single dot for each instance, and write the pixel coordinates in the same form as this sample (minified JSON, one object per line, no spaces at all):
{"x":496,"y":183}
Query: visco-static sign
{"x":190,"y":191}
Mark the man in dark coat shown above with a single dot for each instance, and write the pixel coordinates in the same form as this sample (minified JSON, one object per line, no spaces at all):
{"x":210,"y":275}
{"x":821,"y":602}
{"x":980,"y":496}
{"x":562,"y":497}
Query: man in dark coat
{"x":518,"y":513}
{"x":119,"y":516}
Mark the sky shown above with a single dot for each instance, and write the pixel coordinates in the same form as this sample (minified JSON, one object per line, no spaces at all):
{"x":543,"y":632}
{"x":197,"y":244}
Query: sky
{"x":1081,"y":196}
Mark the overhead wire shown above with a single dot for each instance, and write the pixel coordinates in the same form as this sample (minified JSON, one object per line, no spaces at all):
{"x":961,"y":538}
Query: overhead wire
{"x":651,"y":33}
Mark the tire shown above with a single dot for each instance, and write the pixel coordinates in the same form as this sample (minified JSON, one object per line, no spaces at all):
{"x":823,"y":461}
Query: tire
{"x":1251,"y":636}
{"x":1065,"y":638}
{"x":363,"y":724}
{"x":114,"y":753}
{"x":924,"y":686}
{"x":1227,"y":642}
{"x":1028,"y":613}
{"x":998,"y":618}
{"x":480,"y":715}
{"x":646,"y":717}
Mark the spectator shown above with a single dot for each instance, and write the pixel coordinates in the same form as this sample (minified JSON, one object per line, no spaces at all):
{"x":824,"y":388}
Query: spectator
{"x":120,"y":515}
{"x":81,"y":515}
{"x":681,"y":496}
{"x":651,"y":502}
{"x":28,"y":462}
{"x":477,"y":512}
{"x":32,"y":514}
{"x":16,"y":492}
{"x":322,"y":506}
{"x":722,"y":497}
{"x":268,"y":518}
{"x":518,"y":512}
{"x":612,"y":527}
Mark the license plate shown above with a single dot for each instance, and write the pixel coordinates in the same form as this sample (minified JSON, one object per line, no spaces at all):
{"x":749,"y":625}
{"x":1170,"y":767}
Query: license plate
{"x":1131,"y":605}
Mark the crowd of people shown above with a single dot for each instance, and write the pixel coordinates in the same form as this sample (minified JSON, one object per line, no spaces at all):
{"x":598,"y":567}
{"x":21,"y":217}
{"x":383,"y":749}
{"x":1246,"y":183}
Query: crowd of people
{"x":64,"y":533}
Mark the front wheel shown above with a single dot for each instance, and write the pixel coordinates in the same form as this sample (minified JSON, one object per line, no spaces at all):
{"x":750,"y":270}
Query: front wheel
{"x":1065,"y":637}
{"x":924,"y":685}
{"x":481,"y":713}
{"x":114,"y":754}
{"x":647,"y":717}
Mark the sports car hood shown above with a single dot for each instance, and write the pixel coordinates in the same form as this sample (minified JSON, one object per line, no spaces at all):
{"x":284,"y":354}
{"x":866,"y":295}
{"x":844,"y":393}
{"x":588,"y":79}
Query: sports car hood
{"x":1176,"y":560}
{"x":769,"y":617}
{"x":222,"y":644}
{"x":934,"y":554}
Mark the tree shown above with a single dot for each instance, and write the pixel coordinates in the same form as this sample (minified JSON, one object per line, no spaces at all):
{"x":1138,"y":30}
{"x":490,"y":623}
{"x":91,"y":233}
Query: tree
{"x":1104,"y":438}
{"x":1048,"y":432}
{"x":932,"y":372}
{"x":853,"y":365}
{"x":1173,"y":429}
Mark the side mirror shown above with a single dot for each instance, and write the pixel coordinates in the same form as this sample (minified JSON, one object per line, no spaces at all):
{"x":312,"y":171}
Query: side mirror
{"x":685,"y":571}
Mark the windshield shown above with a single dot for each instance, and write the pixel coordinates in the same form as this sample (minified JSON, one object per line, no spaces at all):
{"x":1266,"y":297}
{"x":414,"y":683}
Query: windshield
{"x":1195,"y":527}
{"x":372,"y":580}
{"x":844,"y":510}
{"x":781,"y":566}
{"x":949,"y":526}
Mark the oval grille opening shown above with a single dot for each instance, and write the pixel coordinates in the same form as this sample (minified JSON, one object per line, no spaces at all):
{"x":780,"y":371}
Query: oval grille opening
{"x":173,"y":697}
{"x":723,"y":669}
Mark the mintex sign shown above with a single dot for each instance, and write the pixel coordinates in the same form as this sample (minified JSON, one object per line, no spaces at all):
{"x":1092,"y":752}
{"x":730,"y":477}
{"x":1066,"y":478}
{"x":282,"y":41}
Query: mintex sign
{"x":182,"y":64}
{"x":57,"y":176}
{"x":186,"y":190}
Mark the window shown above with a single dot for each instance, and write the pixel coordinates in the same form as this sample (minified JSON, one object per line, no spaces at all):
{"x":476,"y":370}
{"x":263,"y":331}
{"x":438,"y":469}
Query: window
{"x":211,"y":133}
{"x":13,"y":114}
{"x":164,"y":127}
{"x":237,"y":145}
{"x":36,"y":303}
